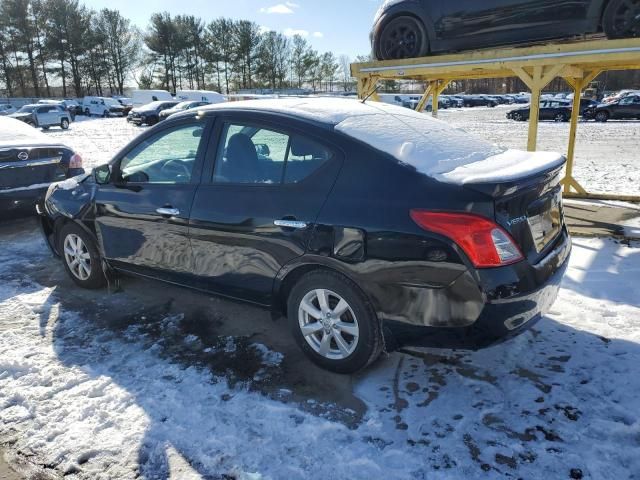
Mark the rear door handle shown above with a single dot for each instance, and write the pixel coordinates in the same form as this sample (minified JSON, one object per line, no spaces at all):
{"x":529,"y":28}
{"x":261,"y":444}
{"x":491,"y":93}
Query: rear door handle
{"x":291,"y":224}
{"x":168,"y":211}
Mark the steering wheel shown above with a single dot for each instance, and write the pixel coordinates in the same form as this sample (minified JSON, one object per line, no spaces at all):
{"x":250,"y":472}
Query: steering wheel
{"x":175,"y":168}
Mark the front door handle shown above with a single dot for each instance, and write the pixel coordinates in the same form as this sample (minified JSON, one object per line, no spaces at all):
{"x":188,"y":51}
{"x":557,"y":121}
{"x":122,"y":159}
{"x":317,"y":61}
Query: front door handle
{"x":168,"y":211}
{"x":291,"y":224}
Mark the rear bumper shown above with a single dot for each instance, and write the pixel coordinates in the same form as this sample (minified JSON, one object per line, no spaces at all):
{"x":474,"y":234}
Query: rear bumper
{"x":514,"y":299}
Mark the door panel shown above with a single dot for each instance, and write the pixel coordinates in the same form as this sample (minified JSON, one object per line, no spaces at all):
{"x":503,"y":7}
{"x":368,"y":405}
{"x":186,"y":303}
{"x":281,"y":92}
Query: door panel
{"x":501,"y":18}
{"x":240,"y":223}
{"x":142,"y":218}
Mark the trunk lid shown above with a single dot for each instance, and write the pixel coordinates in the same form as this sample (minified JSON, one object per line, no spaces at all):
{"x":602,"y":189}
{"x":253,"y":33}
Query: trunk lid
{"x":35,"y":167}
{"x":529,"y":209}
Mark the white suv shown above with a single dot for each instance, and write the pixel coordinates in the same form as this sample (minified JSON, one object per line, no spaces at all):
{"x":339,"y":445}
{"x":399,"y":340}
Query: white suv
{"x":102,"y":106}
{"x":43,"y":116}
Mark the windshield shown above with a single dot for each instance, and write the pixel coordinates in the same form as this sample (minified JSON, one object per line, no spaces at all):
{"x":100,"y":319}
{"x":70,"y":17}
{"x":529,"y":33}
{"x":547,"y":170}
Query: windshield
{"x":26,"y":109}
{"x":183,"y":105}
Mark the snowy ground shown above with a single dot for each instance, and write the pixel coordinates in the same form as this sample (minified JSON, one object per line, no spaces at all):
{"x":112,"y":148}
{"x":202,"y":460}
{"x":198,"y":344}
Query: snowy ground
{"x":149,"y":383}
{"x":607,"y":157}
{"x":157,"y":382}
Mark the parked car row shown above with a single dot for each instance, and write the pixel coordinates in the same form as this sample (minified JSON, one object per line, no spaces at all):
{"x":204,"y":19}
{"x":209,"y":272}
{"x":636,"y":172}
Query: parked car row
{"x":624,"y":108}
{"x":556,"y":109}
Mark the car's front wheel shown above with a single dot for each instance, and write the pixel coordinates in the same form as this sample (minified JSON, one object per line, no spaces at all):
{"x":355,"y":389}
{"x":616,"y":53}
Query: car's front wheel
{"x":602,"y":117}
{"x":87,"y":112}
{"x":402,"y":37}
{"x":334,"y":323}
{"x":64,"y":124}
{"x":621,"y":19}
{"x":81,"y":257}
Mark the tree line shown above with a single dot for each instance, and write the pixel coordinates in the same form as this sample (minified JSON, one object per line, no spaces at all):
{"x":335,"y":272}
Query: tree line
{"x":62,"y":47}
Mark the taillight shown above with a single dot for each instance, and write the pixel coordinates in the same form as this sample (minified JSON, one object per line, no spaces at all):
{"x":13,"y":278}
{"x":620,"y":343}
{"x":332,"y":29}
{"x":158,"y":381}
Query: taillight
{"x":486,"y":244}
{"x":76,"y":161}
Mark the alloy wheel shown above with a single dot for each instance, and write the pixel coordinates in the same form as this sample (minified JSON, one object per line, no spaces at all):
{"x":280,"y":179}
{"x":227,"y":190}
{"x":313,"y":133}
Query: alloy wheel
{"x":402,"y":38}
{"x":328,"y":324}
{"x":77,"y":257}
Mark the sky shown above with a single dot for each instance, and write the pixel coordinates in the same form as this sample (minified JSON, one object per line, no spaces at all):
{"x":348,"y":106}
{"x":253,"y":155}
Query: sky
{"x":338,"y":26}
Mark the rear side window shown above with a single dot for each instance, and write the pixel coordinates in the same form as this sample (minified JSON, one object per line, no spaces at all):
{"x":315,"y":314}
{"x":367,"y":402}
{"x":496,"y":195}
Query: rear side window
{"x":254,"y":155}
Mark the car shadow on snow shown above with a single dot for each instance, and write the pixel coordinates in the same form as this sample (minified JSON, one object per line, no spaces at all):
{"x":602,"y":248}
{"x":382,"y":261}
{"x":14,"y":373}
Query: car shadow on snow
{"x":558,"y":401}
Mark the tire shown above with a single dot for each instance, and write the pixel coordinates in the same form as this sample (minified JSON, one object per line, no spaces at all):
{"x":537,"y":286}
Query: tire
{"x":64,"y":124}
{"x":87,"y":112}
{"x":69,"y":247}
{"x":46,"y":128}
{"x":357,"y":328}
{"x":620,"y":19}
{"x":602,"y":117}
{"x":402,"y":37}
{"x":105,"y":114}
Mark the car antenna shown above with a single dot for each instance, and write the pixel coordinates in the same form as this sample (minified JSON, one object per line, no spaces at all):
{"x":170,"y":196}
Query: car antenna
{"x":371,"y":94}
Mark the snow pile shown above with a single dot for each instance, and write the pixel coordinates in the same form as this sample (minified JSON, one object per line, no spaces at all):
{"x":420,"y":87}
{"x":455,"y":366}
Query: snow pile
{"x":430,"y":146}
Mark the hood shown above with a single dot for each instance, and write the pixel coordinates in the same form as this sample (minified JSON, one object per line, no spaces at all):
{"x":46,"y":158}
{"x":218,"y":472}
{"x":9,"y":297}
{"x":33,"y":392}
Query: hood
{"x":20,"y":115}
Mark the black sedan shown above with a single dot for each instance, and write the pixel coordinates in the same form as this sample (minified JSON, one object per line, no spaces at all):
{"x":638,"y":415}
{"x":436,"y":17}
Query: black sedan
{"x":29,"y":162}
{"x":181,"y":107}
{"x":626,"y":108}
{"x":415,"y":28}
{"x":479,"y":101}
{"x":149,"y":114}
{"x":350,"y":219}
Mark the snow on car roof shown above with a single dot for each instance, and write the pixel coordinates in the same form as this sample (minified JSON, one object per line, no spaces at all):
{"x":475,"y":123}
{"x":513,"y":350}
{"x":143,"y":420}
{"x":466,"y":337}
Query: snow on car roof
{"x":432,"y":147}
{"x":17,"y":133}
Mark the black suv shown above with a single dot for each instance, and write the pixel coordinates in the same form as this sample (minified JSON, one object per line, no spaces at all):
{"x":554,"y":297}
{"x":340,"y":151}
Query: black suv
{"x":348,"y":218}
{"x":150,"y":113}
{"x":626,"y":108}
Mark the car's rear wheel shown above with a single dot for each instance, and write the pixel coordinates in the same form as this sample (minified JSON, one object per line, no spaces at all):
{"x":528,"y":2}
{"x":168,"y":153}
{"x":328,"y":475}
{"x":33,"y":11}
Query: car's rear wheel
{"x":602,"y":117}
{"x":46,"y":127}
{"x":64,"y":124}
{"x":87,"y":112}
{"x":560,"y":117}
{"x":403,"y":37}
{"x":621,"y":19}
{"x":105,"y":114}
{"x":334,"y":323}
{"x":81,"y":257}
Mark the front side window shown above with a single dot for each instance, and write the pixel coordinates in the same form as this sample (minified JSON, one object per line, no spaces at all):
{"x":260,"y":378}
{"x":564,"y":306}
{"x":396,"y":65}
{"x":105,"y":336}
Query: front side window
{"x":165,"y":158}
{"x":254,"y":155}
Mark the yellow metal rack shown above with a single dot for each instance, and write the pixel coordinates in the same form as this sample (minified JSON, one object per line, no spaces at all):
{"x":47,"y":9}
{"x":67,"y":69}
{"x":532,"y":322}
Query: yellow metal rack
{"x":577,"y":62}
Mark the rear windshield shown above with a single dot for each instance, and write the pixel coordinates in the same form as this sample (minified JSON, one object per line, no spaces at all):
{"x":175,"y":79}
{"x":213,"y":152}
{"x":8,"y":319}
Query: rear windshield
{"x":430,"y":146}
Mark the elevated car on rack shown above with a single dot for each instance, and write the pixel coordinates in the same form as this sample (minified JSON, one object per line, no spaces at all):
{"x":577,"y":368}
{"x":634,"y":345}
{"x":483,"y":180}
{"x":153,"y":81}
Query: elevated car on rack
{"x":415,"y":28}
{"x":349,"y":218}
{"x":29,"y":162}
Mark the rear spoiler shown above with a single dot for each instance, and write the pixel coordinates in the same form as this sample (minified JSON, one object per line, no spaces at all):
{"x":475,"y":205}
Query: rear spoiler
{"x":548,"y":180}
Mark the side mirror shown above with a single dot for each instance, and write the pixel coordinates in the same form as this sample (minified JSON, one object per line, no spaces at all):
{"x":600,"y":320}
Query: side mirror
{"x":102,"y":174}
